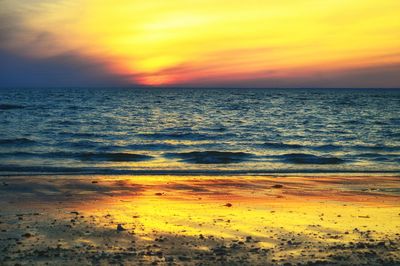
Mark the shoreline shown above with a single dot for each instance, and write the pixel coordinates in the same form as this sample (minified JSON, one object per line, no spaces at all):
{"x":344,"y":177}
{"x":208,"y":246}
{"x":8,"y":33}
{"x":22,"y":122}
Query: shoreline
{"x":210,"y":173}
{"x":208,"y":220}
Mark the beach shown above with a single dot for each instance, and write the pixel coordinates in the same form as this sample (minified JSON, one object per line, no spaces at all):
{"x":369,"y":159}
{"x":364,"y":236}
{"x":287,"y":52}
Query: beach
{"x":199,"y":133}
{"x":200,"y":220}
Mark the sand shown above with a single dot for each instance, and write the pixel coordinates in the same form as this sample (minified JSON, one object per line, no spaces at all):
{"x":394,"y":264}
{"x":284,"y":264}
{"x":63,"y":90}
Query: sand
{"x":200,"y":220}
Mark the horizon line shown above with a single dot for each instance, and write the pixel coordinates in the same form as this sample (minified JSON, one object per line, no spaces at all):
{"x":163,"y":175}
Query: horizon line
{"x":195,"y":87}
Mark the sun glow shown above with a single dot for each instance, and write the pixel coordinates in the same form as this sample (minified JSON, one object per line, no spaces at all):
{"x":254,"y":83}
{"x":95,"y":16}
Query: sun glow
{"x":181,"y":42}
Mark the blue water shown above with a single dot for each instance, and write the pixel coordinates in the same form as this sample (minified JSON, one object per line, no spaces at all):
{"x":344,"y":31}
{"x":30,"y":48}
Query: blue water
{"x":82,"y":131}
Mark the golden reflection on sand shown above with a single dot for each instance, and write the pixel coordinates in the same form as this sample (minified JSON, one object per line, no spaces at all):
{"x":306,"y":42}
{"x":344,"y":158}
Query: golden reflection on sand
{"x":240,"y":206}
{"x":290,"y":218}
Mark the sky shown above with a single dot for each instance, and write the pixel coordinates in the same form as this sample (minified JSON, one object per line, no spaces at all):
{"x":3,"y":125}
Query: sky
{"x":200,"y":43}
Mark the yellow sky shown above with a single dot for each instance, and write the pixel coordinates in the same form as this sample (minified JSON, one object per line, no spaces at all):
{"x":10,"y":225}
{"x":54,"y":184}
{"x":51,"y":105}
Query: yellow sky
{"x":179,"y":41}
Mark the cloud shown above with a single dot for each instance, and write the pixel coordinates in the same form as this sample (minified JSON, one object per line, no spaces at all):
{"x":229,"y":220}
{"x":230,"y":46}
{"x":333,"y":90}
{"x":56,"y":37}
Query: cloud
{"x":386,"y":76}
{"x":381,"y":76}
{"x":67,"y":69}
{"x":38,"y":58}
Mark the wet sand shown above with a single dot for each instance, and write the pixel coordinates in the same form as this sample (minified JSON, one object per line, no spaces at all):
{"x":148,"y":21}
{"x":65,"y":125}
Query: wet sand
{"x":200,"y":220}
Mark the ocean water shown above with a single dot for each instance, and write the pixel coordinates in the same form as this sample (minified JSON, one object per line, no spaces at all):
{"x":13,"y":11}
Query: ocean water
{"x":132,"y":131}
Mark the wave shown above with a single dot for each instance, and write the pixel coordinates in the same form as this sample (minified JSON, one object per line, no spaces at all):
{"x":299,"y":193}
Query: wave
{"x":328,"y":147}
{"x":395,"y":121}
{"x":81,"y":135}
{"x":303,"y":158}
{"x":377,"y":157}
{"x":130,"y":147}
{"x":81,"y":144}
{"x":67,"y":123}
{"x":384,"y":148}
{"x":17,"y":141}
{"x":178,"y":136}
{"x":152,"y":147}
{"x":10,"y":106}
{"x":210,"y":157}
{"x":281,"y":146}
{"x":84,"y":156}
{"x":19,"y":170}
{"x":115,"y":157}
{"x":288,"y":146}
{"x":393,"y":135}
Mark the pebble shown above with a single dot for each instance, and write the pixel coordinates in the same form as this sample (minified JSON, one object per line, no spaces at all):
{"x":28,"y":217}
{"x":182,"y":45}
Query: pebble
{"x":120,"y":228}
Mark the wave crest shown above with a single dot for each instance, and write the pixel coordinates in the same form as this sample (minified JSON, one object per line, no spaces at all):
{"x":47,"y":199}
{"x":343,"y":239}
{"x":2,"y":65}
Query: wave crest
{"x":210,"y":157}
{"x":303,"y":158}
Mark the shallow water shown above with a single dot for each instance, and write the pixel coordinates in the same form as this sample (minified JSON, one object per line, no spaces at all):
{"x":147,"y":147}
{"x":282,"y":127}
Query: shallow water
{"x":199,"y":130}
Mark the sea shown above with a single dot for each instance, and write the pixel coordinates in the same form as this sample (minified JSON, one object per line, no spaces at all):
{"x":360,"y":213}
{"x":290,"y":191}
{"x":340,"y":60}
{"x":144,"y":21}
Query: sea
{"x":79,"y":131}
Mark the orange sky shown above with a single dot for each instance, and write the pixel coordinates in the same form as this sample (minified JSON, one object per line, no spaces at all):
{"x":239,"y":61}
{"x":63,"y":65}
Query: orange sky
{"x":212,"y":42}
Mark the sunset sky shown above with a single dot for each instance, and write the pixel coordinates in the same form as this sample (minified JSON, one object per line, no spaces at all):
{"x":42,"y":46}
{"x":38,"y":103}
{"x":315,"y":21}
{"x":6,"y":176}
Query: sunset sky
{"x":212,"y":43}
